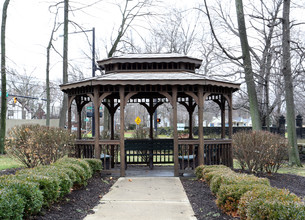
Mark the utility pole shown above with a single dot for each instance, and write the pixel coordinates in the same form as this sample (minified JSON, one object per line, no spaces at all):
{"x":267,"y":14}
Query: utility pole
{"x":94,"y":68}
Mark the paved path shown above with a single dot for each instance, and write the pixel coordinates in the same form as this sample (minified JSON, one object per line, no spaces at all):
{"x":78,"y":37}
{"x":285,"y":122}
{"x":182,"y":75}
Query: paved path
{"x":144,"y":198}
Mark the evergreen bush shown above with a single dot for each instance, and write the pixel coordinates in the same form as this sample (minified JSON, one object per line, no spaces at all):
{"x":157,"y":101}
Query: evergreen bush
{"x":49,"y":186}
{"x":29,"y":191}
{"x":95,"y":164}
{"x":271,"y":203}
{"x":11,"y":204}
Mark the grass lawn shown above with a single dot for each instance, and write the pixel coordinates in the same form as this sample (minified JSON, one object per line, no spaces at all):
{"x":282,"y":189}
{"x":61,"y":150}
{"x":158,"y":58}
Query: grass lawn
{"x":6,"y":162}
{"x":300,"y":171}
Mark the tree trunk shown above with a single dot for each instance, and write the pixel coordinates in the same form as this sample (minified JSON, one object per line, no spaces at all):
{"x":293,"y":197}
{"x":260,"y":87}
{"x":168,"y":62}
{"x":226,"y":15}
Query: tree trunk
{"x":64,"y":108}
{"x":3,"y":77}
{"x":48,"y":81}
{"x":48,"y":74}
{"x":294,"y":158}
{"x":254,"y":111}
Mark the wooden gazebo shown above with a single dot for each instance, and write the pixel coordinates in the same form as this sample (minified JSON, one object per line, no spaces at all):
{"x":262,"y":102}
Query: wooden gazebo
{"x":151,"y":80}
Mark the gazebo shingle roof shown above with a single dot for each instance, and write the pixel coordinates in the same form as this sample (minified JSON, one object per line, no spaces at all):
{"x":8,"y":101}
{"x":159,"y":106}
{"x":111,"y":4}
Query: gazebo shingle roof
{"x":151,"y":78}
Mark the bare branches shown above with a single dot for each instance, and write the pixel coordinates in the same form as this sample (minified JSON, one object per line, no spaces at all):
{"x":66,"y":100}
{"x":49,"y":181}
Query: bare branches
{"x":129,"y":14}
{"x":215,"y":36}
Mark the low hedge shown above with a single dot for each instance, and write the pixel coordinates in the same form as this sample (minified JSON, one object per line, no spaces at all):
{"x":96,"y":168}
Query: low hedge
{"x":271,"y":203}
{"x":228,"y":179}
{"x":24,"y":194}
{"x":95,"y":164}
{"x":228,"y":196}
{"x":49,"y":186}
{"x":11,"y":204}
{"x":29,"y":191}
{"x":65,"y":182}
{"x":249,"y":196}
{"x":207,"y":172}
{"x":84,"y":164}
{"x":80,"y":173}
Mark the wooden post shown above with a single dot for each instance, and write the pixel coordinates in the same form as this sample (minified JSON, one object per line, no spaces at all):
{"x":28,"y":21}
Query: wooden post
{"x":175,"y":116}
{"x":112,"y":112}
{"x":230,"y":130}
{"x":122,"y":147}
{"x":191,"y":111}
{"x":79,"y":124}
{"x":151,"y":114}
{"x":97,"y":123}
{"x":223,"y":117}
{"x":200,"y":126}
{"x":69,"y":118}
{"x":230,"y":116}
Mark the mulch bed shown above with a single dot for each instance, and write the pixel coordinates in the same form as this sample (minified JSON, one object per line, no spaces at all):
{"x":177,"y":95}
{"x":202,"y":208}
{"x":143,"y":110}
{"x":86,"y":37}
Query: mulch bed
{"x":203,"y":201}
{"x":80,"y":202}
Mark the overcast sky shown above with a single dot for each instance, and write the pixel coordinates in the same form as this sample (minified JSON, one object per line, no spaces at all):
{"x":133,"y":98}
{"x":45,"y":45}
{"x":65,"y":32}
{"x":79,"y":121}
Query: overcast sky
{"x":29,"y":25}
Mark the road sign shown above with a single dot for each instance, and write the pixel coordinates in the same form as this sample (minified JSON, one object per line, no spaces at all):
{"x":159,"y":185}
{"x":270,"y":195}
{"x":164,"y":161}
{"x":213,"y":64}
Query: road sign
{"x":90,"y":108}
{"x":138,"y":120}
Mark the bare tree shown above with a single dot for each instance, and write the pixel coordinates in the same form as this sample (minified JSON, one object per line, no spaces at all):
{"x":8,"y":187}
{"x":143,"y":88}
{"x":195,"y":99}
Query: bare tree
{"x":3,"y":76}
{"x":129,"y":13}
{"x":64,"y":107}
{"x":294,"y":158}
{"x":27,"y":87}
{"x":175,"y":31}
{"x":247,"y":63}
{"x":49,"y":47}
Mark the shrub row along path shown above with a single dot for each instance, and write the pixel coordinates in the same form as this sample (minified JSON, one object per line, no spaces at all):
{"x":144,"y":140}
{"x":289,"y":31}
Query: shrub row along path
{"x":144,"y":198}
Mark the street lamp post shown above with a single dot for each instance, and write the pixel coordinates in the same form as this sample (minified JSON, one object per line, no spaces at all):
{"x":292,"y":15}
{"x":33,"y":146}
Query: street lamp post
{"x":94,"y":68}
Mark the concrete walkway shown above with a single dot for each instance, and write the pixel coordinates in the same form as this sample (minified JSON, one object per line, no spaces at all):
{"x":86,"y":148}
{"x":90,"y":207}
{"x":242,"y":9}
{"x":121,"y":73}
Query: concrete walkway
{"x":144,"y":198}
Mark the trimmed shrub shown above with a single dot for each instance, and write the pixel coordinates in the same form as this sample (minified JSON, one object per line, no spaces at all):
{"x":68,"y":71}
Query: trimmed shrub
{"x":11,"y":204}
{"x":211,"y":168}
{"x":199,"y":172}
{"x":65,"y":182}
{"x":271,"y":203}
{"x":85,"y":165}
{"x":95,"y":164}
{"x":35,"y":145}
{"x":203,"y":170}
{"x":70,"y":172}
{"x":228,"y":196}
{"x":208,"y":176}
{"x":29,"y":191}
{"x":80,"y":173}
{"x":260,"y":150}
{"x":229,"y":179}
{"x":48,"y":185}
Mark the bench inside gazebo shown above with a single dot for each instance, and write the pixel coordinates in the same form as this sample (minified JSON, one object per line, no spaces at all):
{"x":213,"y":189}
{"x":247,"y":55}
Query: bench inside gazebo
{"x":152,"y":80}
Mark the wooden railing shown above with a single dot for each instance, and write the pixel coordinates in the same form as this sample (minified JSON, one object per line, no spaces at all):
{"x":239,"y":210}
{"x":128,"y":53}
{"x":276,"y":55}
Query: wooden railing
{"x":84,"y":148}
{"x":155,"y":152}
{"x":218,"y":152}
{"x":110,"y":152}
{"x":147,"y":151}
{"x":187,"y":155}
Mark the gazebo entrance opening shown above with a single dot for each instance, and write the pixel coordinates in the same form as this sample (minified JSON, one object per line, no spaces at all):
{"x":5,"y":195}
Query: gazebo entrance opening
{"x":151,"y":80}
